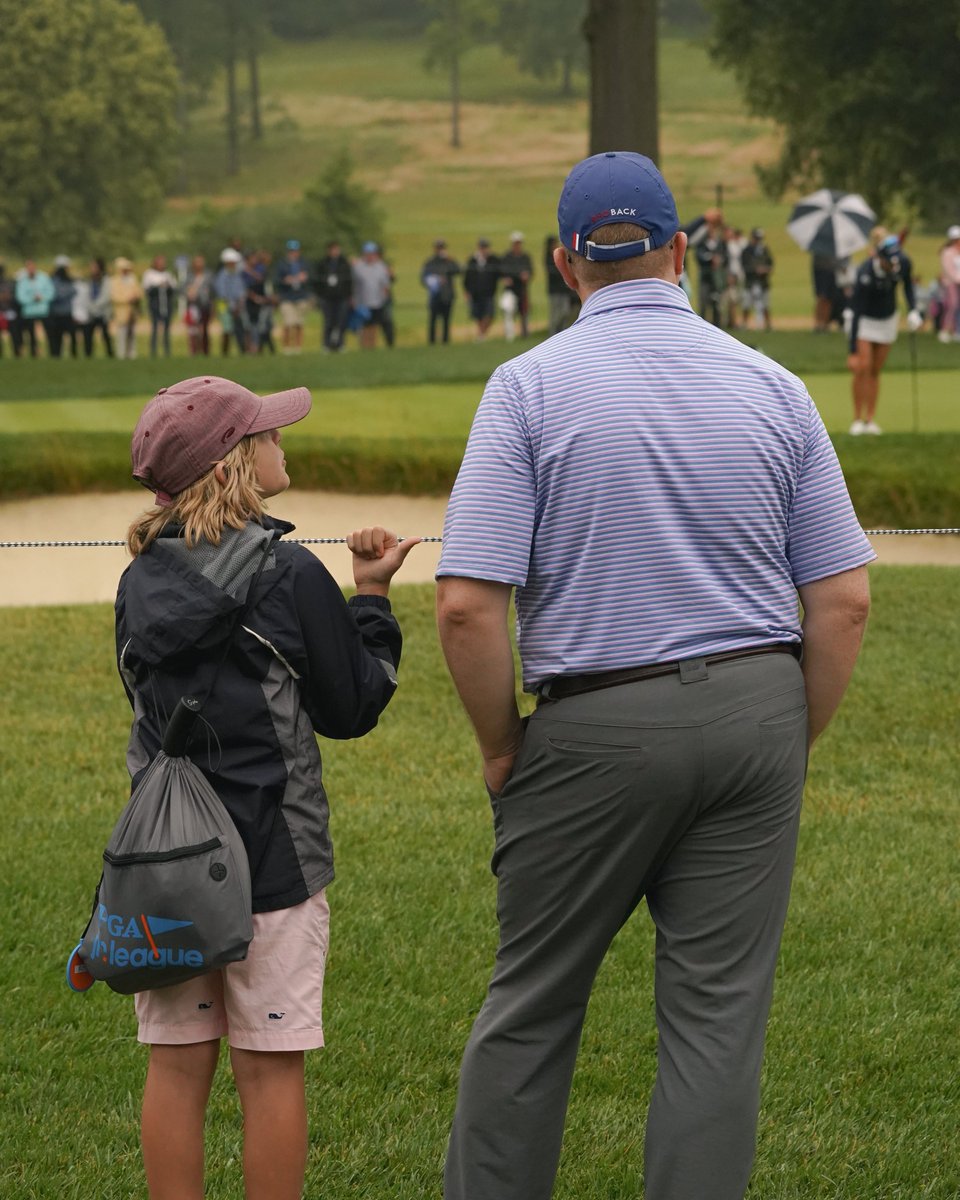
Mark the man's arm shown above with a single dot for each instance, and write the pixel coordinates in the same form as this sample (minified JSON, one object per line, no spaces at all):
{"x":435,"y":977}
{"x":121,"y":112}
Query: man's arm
{"x":834,"y":616}
{"x":472,"y":620}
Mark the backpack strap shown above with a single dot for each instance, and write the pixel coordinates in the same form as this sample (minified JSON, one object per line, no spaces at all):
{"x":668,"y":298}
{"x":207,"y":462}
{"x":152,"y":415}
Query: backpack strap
{"x":181,"y":724}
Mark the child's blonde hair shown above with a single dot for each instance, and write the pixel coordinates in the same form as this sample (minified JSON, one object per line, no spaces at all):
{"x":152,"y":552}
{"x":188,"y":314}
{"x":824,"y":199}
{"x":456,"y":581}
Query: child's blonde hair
{"x":207,"y":506}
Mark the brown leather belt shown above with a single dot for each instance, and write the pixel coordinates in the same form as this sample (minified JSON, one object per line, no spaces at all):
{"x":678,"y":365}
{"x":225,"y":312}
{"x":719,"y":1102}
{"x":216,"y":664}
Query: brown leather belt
{"x":560,"y":687}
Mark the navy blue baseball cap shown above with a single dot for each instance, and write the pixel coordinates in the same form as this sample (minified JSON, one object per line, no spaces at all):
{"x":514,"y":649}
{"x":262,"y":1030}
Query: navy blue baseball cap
{"x":606,"y":189}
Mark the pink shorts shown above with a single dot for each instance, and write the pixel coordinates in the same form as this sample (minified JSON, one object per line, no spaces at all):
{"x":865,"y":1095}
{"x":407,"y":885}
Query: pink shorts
{"x":273,"y":1000}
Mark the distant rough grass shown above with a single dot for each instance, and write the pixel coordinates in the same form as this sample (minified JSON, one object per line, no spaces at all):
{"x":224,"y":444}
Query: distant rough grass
{"x":901,"y":480}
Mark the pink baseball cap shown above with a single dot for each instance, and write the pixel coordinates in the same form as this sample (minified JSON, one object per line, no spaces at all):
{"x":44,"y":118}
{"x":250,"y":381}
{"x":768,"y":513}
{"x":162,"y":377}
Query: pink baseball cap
{"x":187,"y":428}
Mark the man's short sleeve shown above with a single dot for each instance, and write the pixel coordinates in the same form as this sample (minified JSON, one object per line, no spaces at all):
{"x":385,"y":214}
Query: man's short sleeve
{"x":824,"y":536}
{"x":490,"y":518}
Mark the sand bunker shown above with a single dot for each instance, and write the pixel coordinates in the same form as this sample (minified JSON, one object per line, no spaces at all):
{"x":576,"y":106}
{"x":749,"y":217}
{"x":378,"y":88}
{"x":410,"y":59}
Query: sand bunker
{"x":85,"y":576}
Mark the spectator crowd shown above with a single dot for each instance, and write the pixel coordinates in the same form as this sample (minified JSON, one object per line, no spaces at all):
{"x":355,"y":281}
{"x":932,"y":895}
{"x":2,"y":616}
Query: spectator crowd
{"x":246,"y":294}
{"x":235,"y":304}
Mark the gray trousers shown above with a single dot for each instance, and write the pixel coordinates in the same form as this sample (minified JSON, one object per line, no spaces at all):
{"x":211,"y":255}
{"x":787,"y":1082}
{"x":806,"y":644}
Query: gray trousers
{"x":686,"y":790}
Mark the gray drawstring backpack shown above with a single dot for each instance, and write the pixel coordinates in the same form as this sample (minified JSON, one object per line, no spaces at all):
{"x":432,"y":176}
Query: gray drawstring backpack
{"x":174,"y":900}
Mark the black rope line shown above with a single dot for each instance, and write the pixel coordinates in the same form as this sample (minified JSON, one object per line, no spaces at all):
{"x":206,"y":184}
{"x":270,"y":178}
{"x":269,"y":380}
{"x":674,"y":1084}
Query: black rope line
{"x":333,"y":541}
{"x":330,"y":541}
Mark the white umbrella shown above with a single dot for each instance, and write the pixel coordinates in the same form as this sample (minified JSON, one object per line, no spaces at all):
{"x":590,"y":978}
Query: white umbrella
{"x":831,"y":223}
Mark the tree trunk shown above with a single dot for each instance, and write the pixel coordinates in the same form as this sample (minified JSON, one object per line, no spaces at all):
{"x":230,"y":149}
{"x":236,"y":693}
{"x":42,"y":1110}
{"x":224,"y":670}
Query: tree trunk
{"x":622,"y":40}
{"x":256,"y":124}
{"x":566,"y":77}
{"x":230,"y":63}
{"x":454,"y":18}
{"x":183,"y":121}
{"x":455,"y":102}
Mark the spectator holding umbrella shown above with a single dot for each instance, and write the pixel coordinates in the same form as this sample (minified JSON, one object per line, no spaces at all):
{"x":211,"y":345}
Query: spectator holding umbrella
{"x":873,"y":323}
{"x":830,"y":225}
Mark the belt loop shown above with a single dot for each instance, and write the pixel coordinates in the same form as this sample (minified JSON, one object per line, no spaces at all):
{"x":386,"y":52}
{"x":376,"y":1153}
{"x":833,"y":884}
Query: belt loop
{"x":692,"y":670}
{"x":543,"y":691}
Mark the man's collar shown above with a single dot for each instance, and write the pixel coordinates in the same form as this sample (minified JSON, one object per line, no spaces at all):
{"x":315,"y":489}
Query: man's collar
{"x":636,"y":293}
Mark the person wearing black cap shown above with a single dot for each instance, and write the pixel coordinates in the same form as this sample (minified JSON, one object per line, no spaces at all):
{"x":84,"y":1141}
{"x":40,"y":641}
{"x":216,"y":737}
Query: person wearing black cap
{"x":872,"y":323}
{"x":516,"y":270}
{"x":660,"y":496}
{"x":333,"y":283}
{"x":757,"y":263}
{"x":437,"y":275}
{"x":480,"y":284}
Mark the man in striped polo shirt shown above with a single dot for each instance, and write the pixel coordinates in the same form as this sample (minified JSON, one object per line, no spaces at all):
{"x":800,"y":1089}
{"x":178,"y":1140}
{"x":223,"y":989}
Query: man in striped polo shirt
{"x":659,"y":496}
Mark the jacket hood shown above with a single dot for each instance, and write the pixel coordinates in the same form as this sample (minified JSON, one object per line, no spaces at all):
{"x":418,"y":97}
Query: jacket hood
{"x":176,"y":598}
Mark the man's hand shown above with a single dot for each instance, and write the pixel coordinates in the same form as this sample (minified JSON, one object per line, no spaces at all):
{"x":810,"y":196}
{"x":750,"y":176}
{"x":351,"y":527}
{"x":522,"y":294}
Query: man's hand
{"x":834,"y":616}
{"x":472,"y":620}
{"x":377,"y":556}
{"x":496,"y":771}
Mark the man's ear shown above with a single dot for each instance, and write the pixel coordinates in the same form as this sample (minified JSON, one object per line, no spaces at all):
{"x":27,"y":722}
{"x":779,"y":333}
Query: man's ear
{"x":563,"y":260}
{"x":679,"y":251}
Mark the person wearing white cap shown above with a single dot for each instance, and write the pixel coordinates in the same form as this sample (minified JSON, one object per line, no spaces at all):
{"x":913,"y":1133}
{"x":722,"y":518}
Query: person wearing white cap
{"x":231,"y":290}
{"x":127,"y":296}
{"x":950,"y":282}
{"x":516,"y":271}
{"x":372,"y":303}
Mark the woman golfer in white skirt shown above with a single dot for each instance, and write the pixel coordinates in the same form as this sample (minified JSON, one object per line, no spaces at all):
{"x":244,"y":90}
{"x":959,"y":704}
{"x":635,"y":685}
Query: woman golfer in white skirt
{"x":873,"y":322}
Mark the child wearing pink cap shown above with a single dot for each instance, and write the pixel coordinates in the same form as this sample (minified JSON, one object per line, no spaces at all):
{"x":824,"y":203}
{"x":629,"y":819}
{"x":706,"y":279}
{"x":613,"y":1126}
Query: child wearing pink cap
{"x":302,"y":661}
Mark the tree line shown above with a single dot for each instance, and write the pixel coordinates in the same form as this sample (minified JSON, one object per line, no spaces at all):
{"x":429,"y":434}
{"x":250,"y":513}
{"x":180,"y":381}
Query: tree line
{"x":96,"y":96}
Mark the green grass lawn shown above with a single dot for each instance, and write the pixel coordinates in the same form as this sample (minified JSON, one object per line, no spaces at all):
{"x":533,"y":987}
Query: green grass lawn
{"x":445,"y":410}
{"x":861,"y":1094}
{"x":398,"y":422}
{"x":519,"y":139}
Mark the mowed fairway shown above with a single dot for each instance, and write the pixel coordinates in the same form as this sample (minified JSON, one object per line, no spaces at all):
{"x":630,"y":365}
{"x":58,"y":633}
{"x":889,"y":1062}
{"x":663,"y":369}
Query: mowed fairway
{"x":861,"y":1095}
{"x":445,"y":410}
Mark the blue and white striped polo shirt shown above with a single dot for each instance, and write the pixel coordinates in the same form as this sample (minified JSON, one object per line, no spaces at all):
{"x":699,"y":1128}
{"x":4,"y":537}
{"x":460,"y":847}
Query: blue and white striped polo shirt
{"x":654,"y":489}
